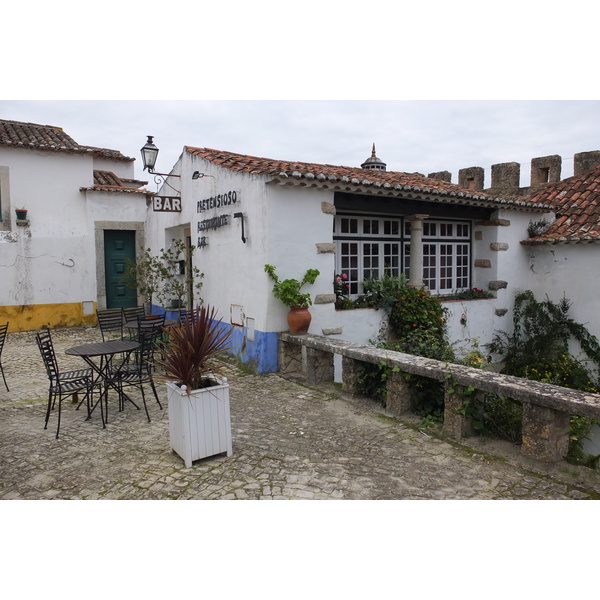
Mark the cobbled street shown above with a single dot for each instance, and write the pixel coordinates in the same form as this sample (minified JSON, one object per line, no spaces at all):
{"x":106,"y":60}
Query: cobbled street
{"x":289,"y":442}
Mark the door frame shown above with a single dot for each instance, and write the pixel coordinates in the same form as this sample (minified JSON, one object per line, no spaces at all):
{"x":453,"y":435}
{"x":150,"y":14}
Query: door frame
{"x":140,"y":243}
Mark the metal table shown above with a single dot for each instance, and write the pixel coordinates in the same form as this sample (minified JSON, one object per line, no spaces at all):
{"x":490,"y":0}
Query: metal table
{"x":105,"y":374}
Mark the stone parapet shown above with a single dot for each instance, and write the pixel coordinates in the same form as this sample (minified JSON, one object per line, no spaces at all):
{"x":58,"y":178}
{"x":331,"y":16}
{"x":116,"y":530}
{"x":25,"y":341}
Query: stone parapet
{"x":546,"y":407}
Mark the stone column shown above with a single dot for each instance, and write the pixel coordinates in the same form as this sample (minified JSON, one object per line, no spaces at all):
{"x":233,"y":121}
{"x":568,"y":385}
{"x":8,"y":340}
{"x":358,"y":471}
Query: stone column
{"x":456,"y":424}
{"x":416,"y":250}
{"x":319,"y":366}
{"x":290,"y":357}
{"x":545,"y":433}
{"x":399,"y":397}
{"x":349,"y":375}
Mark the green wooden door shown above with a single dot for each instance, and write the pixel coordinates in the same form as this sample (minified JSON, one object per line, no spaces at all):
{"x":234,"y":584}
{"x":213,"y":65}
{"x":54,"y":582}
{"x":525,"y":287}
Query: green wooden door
{"x":119,"y":245}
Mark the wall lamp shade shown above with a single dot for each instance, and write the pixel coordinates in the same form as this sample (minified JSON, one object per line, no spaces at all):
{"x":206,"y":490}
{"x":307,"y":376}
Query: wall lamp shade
{"x":149,"y":155}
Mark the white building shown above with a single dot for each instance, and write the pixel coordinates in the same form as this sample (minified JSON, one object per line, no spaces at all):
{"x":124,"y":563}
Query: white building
{"x":243,"y":212}
{"x":85,"y":215}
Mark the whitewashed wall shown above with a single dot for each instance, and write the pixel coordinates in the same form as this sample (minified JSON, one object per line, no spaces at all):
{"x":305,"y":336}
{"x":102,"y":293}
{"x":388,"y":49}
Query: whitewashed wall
{"x":48,"y":261}
{"x":52,"y":260}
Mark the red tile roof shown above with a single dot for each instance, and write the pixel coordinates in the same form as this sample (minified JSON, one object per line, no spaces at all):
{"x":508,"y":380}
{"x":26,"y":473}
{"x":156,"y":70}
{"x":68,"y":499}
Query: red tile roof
{"x":107,"y":181}
{"x":576,"y":202}
{"x":370,"y":180}
{"x":48,"y":137}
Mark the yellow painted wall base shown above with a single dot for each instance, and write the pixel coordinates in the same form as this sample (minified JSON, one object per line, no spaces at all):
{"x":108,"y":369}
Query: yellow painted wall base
{"x":39,"y":316}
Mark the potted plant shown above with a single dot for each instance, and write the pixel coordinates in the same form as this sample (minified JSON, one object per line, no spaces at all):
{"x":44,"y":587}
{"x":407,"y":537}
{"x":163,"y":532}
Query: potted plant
{"x":142,"y":275}
{"x":198,"y":396}
{"x":288,"y":291}
{"x":21,"y":213}
{"x":176,"y":281}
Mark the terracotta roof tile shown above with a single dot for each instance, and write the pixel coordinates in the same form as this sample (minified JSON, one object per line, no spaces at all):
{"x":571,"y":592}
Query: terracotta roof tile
{"x":576,"y":202}
{"x":107,"y":181}
{"x":376,"y":181}
{"x":48,"y":137}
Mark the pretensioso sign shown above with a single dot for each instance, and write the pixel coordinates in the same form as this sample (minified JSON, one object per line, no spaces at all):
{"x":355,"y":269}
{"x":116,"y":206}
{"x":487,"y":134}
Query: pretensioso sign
{"x":215,"y":222}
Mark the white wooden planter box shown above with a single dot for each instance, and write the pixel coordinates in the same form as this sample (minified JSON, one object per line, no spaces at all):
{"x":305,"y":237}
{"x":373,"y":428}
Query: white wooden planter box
{"x":199,"y":424}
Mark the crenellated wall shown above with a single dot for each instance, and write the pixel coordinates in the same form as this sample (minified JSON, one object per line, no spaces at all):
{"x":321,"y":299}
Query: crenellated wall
{"x":506,"y":177}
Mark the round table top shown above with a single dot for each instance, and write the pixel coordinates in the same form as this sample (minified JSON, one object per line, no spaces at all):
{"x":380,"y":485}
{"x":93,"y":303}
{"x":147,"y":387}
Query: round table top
{"x":103,"y":348}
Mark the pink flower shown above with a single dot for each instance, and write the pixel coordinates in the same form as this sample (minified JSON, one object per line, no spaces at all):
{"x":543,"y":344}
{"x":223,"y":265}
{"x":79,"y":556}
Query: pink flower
{"x":345,"y":276}
{"x":338,"y":279}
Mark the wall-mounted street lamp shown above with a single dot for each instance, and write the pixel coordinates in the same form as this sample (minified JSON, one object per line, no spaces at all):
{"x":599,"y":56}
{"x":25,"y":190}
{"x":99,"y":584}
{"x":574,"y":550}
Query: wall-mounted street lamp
{"x":149,"y":156}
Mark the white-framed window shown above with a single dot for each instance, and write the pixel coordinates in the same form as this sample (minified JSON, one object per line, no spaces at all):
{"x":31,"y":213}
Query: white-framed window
{"x":368,"y":246}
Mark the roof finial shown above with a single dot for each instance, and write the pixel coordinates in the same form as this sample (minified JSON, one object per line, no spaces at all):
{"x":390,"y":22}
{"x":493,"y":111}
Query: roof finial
{"x":373,"y":162}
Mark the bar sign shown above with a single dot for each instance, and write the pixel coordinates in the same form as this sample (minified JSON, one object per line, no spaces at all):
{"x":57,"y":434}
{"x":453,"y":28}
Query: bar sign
{"x":166,"y":204}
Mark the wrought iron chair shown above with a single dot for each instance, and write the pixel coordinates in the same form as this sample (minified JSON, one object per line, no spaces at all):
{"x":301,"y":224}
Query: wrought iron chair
{"x":140,"y":371}
{"x":133,"y":312}
{"x":3,"y":330}
{"x":110,"y":322}
{"x":62,"y":383}
{"x":131,"y":315}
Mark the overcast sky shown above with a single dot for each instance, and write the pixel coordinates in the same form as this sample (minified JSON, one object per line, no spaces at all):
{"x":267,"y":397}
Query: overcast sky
{"x":422,"y":136}
{"x":435,"y":85}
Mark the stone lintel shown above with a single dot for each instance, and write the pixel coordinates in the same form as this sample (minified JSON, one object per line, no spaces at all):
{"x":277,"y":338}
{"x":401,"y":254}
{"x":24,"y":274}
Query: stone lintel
{"x":498,"y":246}
{"x":328,"y":208}
{"x":326,"y":248}
{"x":493,"y":223}
{"x":332,"y":331}
{"x":325,"y":299}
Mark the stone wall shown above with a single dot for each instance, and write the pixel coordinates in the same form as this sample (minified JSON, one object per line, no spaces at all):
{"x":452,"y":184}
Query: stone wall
{"x":546,"y":408}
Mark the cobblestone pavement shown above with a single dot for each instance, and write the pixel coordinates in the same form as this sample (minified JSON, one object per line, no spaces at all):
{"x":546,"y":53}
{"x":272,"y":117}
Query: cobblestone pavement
{"x":289,"y":442}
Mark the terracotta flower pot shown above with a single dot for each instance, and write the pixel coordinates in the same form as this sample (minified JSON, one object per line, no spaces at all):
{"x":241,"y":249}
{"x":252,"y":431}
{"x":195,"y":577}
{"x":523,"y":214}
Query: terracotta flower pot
{"x":299,"y":319}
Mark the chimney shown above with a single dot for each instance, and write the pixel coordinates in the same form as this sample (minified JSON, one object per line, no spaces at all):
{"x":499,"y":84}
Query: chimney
{"x":585,"y":161}
{"x":545,"y":169}
{"x":471,"y":178}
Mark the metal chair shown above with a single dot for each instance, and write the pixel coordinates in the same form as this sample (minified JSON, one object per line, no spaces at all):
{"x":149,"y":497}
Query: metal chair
{"x":62,"y":383}
{"x":139,"y":371}
{"x":3,"y":330}
{"x":110,"y":322}
{"x":150,"y":323}
{"x":131,"y":313}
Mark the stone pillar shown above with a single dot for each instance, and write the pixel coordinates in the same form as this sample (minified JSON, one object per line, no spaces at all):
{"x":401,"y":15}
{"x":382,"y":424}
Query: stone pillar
{"x":471,"y":178}
{"x":455,"y":423}
{"x":505,"y":178}
{"x":585,"y":161}
{"x":399,"y":396}
{"x":545,"y":433}
{"x":290,"y":357}
{"x":349,"y":375}
{"x":545,"y":169}
{"x":319,"y":366}
{"x":416,"y":250}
